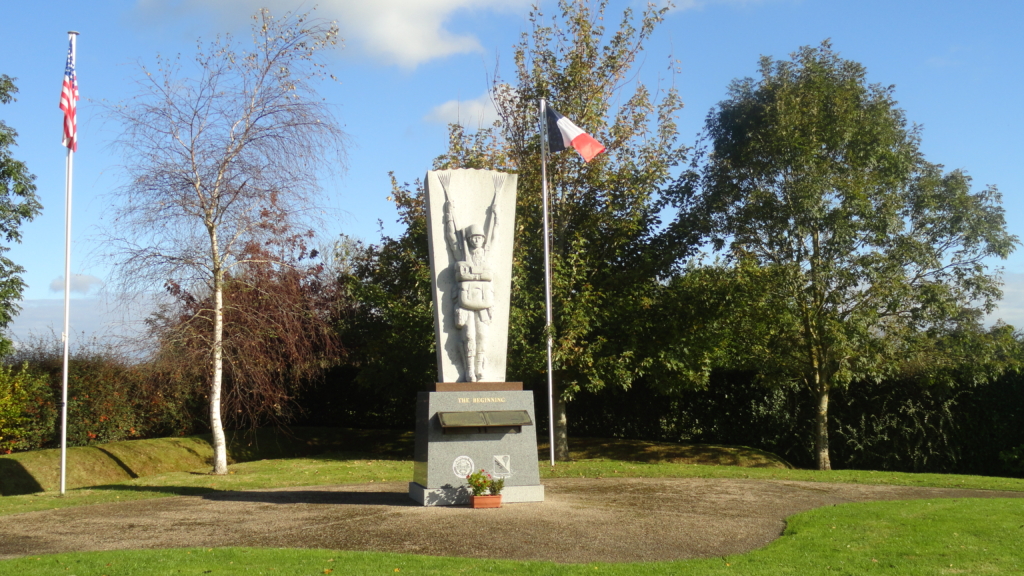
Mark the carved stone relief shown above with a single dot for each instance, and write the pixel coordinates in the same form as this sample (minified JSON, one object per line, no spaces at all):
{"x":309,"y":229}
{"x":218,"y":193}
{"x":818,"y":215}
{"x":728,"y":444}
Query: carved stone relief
{"x":470,"y":216}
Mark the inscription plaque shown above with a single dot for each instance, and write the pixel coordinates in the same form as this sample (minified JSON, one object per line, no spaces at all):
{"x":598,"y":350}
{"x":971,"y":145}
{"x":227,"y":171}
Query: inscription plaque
{"x":485,"y":422}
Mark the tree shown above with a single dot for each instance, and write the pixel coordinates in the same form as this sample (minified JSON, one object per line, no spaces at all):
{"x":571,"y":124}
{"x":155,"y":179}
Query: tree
{"x":610,"y":248}
{"x":221,"y":164}
{"x":609,"y":251}
{"x":18,"y":204}
{"x":862,"y":254}
{"x":279,"y":313}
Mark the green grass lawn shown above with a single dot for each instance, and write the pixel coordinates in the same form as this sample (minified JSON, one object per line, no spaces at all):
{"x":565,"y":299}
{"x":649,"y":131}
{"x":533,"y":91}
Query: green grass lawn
{"x":336,"y":468}
{"x":357,"y":468}
{"x":956,"y":536}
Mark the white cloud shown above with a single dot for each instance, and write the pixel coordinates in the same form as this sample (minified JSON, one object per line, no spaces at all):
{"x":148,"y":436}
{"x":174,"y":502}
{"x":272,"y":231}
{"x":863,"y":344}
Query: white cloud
{"x":80,"y":283}
{"x":476,"y":113}
{"x":402,"y":32}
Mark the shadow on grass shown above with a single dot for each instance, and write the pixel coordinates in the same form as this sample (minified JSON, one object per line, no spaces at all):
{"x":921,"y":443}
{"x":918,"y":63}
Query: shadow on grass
{"x":175,"y":490}
{"x":15,"y":479}
{"x":315,"y":497}
{"x":377,"y":498}
{"x":120,"y":463}
{"x":658,"y":452}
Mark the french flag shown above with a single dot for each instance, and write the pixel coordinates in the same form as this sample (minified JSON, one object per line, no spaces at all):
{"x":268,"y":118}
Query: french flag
{"x":562,"y":133}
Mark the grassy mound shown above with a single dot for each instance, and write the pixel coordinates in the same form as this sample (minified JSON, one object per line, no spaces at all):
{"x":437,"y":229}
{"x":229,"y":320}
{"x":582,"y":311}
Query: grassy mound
{"x":39,"y":470}
{"x":104,"y":464}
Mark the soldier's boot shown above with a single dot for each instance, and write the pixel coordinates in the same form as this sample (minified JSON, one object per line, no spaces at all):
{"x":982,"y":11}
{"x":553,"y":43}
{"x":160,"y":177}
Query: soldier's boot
{"x":480,"y":368}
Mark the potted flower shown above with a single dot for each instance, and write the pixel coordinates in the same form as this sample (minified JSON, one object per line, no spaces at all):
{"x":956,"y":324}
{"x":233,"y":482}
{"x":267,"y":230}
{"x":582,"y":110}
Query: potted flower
{"x":486,"y":490}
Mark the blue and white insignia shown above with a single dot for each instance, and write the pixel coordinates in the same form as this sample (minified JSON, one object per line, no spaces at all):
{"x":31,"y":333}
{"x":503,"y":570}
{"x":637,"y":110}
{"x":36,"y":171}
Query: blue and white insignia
{"x":503,"y":465}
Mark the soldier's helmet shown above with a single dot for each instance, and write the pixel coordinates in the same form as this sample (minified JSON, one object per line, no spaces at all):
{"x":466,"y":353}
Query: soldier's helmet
{"x":474,"y":230}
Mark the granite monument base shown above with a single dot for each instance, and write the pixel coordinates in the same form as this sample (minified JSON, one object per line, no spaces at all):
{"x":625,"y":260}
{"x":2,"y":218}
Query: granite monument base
{"x":461,"y":431}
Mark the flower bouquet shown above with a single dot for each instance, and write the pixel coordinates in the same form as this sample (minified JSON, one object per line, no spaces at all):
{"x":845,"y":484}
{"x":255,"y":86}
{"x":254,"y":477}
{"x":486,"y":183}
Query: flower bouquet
{"x":486,"y":490}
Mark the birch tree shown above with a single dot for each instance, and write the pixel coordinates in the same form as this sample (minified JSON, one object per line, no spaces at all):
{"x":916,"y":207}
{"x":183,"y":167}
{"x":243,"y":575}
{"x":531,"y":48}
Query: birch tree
{"x":222,"y":156}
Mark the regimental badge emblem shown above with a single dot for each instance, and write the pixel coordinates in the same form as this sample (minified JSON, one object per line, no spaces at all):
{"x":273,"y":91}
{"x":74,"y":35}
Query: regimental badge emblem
{"x":503,"y":465}
{"x":463,"y":466}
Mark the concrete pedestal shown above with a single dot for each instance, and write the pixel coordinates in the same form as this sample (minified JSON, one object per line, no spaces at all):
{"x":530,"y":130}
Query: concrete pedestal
{"x":442,"y":461}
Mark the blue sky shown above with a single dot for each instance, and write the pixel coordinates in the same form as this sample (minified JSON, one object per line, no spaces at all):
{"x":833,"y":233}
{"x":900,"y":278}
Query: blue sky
{"x":411,"y":66}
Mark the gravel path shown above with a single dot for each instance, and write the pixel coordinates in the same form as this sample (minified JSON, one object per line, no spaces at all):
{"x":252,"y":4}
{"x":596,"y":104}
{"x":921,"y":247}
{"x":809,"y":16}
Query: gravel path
{"x":582,"y":520}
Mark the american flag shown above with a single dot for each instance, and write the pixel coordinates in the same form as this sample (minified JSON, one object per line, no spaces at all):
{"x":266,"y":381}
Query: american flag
{"x":68,"y":97}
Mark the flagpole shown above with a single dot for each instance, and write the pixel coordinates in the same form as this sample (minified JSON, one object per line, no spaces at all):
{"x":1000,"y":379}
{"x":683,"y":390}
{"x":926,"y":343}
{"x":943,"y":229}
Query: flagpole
{"x":547,"y":275}
{"x":66,"y":335}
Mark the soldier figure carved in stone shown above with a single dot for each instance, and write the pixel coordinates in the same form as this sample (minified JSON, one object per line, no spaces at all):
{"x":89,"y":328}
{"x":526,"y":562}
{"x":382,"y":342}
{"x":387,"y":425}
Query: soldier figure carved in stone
{"x":474,"y":298}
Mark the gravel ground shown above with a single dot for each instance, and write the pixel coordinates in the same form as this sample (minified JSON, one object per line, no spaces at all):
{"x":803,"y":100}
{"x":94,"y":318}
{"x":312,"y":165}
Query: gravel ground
{"x":582,"y":520}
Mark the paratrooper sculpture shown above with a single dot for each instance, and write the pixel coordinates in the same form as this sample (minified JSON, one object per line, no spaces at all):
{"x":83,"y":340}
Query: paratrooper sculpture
{"x":474,"y":299}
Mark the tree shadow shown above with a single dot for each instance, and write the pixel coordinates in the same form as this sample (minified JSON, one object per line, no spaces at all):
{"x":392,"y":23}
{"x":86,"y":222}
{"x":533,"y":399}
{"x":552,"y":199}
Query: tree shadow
{"x":131,"y":473}
{"x":378,"y":498}
{"x":15,"y":479}
{"x":175,"y":490}
{"x":286,"y":497}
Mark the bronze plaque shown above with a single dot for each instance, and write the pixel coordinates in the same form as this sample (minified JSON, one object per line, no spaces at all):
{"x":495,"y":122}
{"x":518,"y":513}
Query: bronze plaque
{"x":462,"y":419}
{"x":508,"y":418}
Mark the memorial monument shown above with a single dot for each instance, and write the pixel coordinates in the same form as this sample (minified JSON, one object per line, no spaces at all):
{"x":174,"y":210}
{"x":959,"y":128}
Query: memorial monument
{"x":471,"y":418}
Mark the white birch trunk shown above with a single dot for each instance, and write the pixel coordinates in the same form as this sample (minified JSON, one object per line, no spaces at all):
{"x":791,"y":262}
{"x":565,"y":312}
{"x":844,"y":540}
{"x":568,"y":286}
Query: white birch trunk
{"x":220,"y":448}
